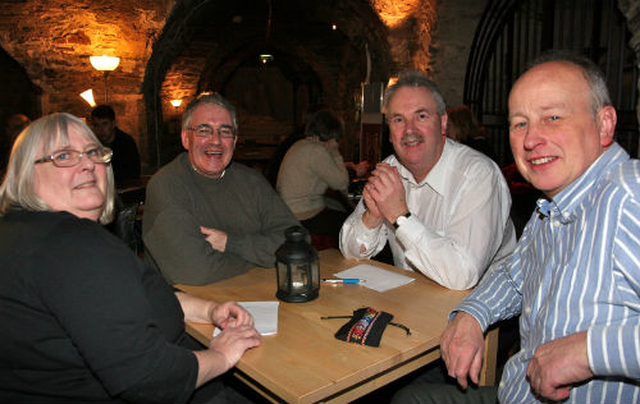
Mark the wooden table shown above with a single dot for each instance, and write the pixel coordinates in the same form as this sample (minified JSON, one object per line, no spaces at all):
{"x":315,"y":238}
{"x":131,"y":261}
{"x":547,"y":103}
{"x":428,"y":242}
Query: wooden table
{"x":305,"y":363}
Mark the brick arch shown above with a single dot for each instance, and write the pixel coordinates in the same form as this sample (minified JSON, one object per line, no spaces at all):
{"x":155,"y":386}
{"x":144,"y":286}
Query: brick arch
{"x":195,"y":45}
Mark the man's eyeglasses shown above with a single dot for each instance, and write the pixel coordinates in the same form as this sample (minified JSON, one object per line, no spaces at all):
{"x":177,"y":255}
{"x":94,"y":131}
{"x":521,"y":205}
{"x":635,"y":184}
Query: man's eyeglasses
{"x":206,"y":131}
{"x":70,"y":158}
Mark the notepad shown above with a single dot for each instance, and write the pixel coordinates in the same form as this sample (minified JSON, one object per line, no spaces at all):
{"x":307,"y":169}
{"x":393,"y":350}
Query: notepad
{"x":265,"y":316}
{"x":376,"y":278}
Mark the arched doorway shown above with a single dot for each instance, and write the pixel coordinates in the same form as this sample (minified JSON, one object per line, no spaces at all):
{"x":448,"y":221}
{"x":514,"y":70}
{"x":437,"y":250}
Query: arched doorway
{"x":319,"y":50}
{"x":512,"y":33}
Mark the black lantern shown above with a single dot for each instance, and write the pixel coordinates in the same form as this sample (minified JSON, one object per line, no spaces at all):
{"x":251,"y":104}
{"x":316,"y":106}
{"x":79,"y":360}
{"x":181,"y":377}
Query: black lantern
{"x":298,"y":268}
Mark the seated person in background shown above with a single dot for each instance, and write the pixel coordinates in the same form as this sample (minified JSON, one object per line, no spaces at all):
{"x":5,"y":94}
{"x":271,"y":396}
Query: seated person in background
{"x":463,"y":127}
{"x":310,"y":167}
{"x":574,"y":275}
{"x":85,"y":319}
{"x":207,"y":218}
{"x":126,"y":159}
{"x":273,"y":166}
{"x":443,"y":207}
{"x":14,"y":125}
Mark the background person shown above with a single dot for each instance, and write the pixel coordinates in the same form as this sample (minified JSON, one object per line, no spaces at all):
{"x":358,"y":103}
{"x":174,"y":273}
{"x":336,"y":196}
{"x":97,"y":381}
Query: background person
{"x":463,"y":127}
{"x":87,"y":321}
{"x":13,"y":126}
{"x":126,"y":159}
{"x":312,"y":166}
{"x":442,"y":206}
{"x":207,"y":218}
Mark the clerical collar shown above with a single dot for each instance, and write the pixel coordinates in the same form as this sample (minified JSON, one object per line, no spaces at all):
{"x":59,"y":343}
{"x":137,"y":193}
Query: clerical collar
{"x":207,"y":175}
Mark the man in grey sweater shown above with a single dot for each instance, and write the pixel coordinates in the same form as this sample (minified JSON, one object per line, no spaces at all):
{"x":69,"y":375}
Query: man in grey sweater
{"x":207,"y":218}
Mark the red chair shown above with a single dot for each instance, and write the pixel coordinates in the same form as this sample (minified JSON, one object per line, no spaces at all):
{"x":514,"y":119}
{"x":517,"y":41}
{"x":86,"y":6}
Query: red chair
{"x":323,"y":241}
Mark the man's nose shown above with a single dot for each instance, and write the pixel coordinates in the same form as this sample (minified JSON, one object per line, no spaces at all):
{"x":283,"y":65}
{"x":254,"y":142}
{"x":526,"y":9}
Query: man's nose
{"x":533,"y":137}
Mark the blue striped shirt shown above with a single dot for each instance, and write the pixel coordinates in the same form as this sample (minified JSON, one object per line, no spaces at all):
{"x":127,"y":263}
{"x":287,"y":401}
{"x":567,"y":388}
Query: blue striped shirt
{"x":576,"y":268}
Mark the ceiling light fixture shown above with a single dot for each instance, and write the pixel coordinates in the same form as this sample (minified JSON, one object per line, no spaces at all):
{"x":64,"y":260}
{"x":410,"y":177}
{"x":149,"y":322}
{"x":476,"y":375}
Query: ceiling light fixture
{"x":266,"y":58}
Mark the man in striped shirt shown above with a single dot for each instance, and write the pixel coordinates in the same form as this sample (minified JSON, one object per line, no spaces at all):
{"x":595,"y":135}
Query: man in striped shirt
{"x":575,"y":275}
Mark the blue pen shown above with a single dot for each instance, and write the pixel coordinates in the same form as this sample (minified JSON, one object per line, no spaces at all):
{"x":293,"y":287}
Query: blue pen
{"x":345,"y":280}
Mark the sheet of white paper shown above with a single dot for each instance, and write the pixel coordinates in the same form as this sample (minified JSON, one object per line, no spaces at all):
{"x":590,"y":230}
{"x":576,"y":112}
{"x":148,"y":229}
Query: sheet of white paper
{"x":375,"y":278}
{"x":265,"y":316}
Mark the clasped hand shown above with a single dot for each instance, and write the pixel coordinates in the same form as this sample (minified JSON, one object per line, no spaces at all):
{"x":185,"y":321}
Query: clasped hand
{"x":384,"y":196}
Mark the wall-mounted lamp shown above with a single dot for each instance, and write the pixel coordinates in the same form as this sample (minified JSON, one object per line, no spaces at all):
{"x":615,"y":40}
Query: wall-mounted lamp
{"x":176,"y":103}
{"x":105,"y":64}
{"x":88,"y":97}
{"x":266,"y":58}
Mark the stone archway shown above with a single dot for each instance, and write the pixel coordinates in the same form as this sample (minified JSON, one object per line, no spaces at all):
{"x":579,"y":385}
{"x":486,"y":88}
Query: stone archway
{"x":194,"y":43}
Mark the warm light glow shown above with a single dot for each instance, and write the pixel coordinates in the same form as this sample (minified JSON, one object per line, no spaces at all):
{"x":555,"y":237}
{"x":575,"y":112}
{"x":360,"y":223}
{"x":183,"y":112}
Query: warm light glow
{"x":104,"y":63}
{"x":176,"y":103}
{"x":88,"y":97}
{"x":396,"y":13}
{"x":334,"y":27}
{"x":392,"y":81}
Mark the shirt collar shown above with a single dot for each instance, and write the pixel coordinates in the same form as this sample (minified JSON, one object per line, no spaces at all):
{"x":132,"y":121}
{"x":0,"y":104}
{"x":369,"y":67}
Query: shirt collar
{"x":566,"y":202}
{"x":436,"y":179}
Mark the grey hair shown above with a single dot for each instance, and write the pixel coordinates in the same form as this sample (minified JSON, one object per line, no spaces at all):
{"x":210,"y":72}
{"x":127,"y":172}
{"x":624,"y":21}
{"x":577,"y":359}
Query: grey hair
{"x":590,"y":71}
{"x":42,"y":135}
{"x":415,"y":79}
{"x":209,"y":98}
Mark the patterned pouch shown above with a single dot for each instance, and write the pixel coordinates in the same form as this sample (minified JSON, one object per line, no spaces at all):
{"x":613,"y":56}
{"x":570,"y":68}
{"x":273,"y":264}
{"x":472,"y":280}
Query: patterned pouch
{"x":365,"y":327}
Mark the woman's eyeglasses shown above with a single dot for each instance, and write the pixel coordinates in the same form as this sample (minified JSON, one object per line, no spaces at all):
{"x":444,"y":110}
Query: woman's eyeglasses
{"x":70,"y":158}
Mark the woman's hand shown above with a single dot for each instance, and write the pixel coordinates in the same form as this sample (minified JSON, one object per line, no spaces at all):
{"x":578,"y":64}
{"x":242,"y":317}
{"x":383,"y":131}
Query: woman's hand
{"x":221,"y":315}
{"x":230,"y":314}
{"x":225,"y":350}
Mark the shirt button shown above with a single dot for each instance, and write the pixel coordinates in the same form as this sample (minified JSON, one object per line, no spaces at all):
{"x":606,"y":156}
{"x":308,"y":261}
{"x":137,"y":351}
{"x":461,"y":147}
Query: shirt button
{"x":557,"y":223}
{"x":527,"y":309}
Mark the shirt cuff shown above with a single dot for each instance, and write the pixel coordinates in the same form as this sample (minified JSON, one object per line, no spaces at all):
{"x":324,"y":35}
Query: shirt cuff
{"x":367,"y":237}
{"x":477,"y":310}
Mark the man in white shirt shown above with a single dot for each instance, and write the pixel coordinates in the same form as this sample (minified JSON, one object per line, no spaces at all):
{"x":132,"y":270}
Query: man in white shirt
{"x":443,"y":207}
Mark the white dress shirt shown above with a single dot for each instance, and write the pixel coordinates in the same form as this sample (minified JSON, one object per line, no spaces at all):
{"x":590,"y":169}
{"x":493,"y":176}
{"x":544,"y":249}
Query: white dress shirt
{"x":459,"y":223}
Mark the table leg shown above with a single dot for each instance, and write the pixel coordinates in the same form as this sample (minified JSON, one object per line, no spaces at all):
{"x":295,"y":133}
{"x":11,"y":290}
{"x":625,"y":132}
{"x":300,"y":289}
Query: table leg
{"x":488,"y":372}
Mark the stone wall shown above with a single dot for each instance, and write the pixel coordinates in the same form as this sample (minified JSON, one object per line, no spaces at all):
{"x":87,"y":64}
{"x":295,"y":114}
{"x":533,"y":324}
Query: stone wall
{"x":53,"y":40}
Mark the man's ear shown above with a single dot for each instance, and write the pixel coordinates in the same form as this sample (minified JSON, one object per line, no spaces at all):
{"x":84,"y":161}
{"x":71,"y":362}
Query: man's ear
{"x":606,"y":120}
{"x":185,"y":139}
{"x":443,"y":122}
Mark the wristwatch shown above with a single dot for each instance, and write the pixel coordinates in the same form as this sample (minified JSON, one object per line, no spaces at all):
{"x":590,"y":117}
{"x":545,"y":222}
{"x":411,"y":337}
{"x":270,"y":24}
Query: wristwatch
{"x":401,"y":219}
